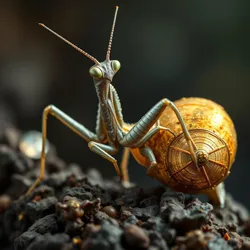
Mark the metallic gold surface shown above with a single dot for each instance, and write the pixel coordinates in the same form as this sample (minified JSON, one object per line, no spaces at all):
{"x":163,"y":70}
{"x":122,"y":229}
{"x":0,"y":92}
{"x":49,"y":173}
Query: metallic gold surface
{"x":213,"y":132}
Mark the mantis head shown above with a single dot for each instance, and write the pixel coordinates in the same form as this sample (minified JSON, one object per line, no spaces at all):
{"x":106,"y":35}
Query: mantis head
{"x":101,"y":72}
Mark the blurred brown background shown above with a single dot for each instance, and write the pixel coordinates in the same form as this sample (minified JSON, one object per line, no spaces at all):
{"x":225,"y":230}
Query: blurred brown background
{"x":166,"y":48}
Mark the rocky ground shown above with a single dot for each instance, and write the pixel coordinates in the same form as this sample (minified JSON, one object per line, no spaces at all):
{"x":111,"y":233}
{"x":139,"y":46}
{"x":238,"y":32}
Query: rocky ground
{"x":73,"y":209}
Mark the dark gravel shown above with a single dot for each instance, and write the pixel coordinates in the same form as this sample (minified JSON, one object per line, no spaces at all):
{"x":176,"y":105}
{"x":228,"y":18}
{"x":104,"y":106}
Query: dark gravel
{"x":73,"y":209}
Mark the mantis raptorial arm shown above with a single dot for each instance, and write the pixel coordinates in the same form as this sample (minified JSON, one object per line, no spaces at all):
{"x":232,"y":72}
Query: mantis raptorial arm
{"x":71,"y":124}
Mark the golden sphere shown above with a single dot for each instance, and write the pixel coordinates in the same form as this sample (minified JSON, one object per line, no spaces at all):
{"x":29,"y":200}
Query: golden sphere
{"x":212,"y":131}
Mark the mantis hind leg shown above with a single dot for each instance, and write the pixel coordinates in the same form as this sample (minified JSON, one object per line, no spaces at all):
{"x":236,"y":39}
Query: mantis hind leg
{"x":146,"y":152}
{"x":69,"y":122}
{"x":149,"y":155}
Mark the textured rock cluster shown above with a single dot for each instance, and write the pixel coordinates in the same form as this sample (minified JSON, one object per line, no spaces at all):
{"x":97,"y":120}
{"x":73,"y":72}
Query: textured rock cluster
{"x":72,"y":209}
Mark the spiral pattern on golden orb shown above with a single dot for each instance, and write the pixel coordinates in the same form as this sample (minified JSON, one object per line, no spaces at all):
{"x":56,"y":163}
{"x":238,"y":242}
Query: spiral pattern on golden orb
{"x":213,"y":161}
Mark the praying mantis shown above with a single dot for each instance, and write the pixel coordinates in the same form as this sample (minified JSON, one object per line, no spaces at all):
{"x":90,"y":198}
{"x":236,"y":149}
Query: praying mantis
{"x":112,"y":131}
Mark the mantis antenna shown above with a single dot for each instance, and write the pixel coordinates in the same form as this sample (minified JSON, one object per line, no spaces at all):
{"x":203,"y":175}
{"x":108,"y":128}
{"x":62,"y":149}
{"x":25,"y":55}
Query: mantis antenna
{"x":111,"y":35}
{"x":71,"y":44}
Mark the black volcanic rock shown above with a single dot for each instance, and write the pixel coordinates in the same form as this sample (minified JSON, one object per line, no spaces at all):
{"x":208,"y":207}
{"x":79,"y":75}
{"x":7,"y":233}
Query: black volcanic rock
{"x":76,"y":210}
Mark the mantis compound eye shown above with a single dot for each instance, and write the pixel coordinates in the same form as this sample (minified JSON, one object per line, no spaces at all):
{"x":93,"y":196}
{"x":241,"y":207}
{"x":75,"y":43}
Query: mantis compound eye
{"x":95,"y":72}
{"x":116,"y":65}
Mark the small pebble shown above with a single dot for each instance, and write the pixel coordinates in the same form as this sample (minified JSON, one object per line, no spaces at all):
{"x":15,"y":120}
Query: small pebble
{"x":110,"y":211}
{"x":226,"y":236}
{"x":136,"y":237}
{"x":36,"y":198}
{"x":5,"y":202}
{"x":76,"y":241}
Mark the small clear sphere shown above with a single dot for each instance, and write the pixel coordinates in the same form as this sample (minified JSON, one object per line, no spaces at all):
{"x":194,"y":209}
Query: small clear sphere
{"x":30,"y":144}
